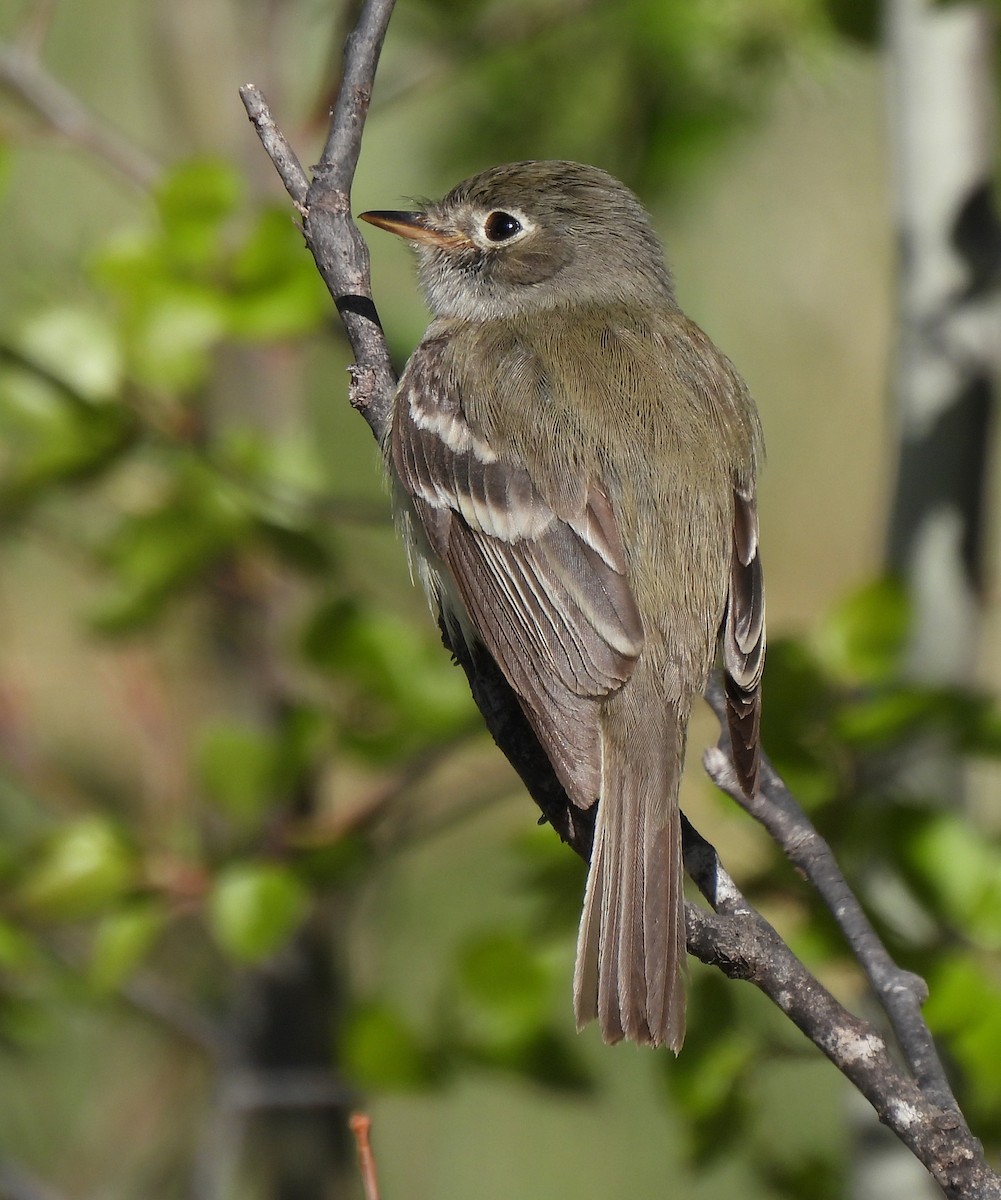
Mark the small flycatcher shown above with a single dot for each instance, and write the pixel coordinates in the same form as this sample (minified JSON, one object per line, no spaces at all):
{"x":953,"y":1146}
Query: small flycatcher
{"x":574,"y":471}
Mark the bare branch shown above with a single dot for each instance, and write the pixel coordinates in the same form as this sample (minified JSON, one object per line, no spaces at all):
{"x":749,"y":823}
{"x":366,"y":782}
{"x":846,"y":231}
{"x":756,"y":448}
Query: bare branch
{"x":333,"y":238}
{"x":23,"y":76}
{"x":740,"y":942}
{"x":277,"y":145}
{"x":901,"y":993}
{"x":361,"y":58}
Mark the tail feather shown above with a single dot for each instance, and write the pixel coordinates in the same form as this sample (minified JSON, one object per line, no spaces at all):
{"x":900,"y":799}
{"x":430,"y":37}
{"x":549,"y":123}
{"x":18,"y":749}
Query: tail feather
{"x":630,"y":970}
{"x":664,"y":928}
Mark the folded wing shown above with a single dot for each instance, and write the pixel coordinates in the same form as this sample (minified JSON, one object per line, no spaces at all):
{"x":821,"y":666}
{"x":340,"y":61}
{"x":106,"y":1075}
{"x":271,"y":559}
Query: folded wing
{"x":546,"y":591}
{"x":744,"y":641}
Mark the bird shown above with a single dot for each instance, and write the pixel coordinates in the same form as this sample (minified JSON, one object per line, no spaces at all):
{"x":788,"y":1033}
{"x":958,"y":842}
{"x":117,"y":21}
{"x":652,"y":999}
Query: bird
{"x":573,"y":467}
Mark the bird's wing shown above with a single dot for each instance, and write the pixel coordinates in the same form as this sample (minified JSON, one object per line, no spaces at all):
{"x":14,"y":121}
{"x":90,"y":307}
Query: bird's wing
{"x":744,"y":640}
{"x":547,"y":594}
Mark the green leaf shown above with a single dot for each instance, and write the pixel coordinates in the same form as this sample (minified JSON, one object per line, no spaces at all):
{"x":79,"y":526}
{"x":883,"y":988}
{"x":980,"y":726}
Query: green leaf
{"x":276,"y":290}
{"x":237,"y":766}
{"x":863,"y":640}
{"x":507,"y":992}
{"x":299,"y":547}
{"x":28,"y":1025}
{"x":51,"y":434}
{"x":343,"y":863}
{"x":255,"y":907}
{"x":81,"y":870}
{"x":130,"y":265}
{"x":382,"y":1051}
{"x":153,"y":554}
{"x":980,"y":731}
{"x":711,"y":1074}
{"x":171,"y":339}
{"x":121,"y":941}
{"x":795,"y":723}
{"x":553,"y":877}
{"x":286,"y":519}
{"x":722,"y":1065}
{"x":195,"y":201}
{"x":964,"y":1004}
{"x":172,"y":313}
{"x":961,"y":869}
{"x":885,"y":716}
{"x":247,"y":770}
{"x":306,"y":732}
{"x":545,"y":1058}
{"x":960,"y":993}
{"x":77,"y":345}
{"x":666,"y":82}
{"x":892,"y":713}
{"x":408,"y":691}
{"x":17,"y":950}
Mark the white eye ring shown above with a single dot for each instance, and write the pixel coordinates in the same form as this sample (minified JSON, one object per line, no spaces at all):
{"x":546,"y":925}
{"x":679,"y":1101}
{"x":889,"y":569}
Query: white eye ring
{"x":502,"y":226}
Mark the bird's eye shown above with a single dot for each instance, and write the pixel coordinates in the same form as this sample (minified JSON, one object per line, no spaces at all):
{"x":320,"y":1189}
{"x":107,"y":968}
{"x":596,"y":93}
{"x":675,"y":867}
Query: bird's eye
{"x":501,"y":226}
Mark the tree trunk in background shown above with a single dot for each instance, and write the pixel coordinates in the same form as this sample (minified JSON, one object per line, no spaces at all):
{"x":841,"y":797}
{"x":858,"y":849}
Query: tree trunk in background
{"x":942,"y":134}
{"x":280,"y":1113}
{"x":942,"y":128}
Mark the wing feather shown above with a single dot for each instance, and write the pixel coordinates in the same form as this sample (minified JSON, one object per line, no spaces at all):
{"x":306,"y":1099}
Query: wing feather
{"x":547,"y":594}
{"x":744,"y":640}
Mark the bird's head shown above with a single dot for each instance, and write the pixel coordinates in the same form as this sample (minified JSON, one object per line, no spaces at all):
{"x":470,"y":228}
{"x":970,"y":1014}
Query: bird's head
{"x":533,"y":235}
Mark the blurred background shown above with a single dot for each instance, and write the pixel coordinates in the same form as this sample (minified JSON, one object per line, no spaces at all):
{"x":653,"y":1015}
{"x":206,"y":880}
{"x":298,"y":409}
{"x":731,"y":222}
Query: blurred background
{"x":259,"y":863}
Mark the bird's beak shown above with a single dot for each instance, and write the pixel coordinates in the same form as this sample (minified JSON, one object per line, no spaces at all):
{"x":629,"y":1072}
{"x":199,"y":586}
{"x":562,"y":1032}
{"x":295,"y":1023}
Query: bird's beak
{"x":416,"y":227}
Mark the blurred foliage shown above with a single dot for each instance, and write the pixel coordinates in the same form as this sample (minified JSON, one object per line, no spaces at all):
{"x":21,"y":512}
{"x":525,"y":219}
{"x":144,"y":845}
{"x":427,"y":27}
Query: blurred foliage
{"x":126,"y":448}
{"x":667,"y":79}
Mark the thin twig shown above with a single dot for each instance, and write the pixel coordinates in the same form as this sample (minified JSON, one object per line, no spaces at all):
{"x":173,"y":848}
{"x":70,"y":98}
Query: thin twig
{"x":740,"y":942}
{"x":333,"y":238}
{"x":900,"y":992}
{"x":361,"y":1127}
{"x":276,"y":144}
{"x":347,"y":121}
{"x":23,"y":76}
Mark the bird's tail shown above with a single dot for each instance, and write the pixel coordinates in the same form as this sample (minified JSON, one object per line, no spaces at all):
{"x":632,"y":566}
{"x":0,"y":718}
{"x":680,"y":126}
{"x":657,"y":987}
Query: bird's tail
{"x":630,"y":970}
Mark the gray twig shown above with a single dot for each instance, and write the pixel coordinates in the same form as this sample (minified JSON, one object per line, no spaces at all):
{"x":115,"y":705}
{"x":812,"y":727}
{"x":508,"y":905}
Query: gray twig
{"x":737,"y":940}
{"x":901,"y":993}
{"x":333,"y":238}
{"x":276,"y":144}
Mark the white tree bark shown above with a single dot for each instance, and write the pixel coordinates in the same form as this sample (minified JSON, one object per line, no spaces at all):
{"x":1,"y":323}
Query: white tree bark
{"x":942,"y":131}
